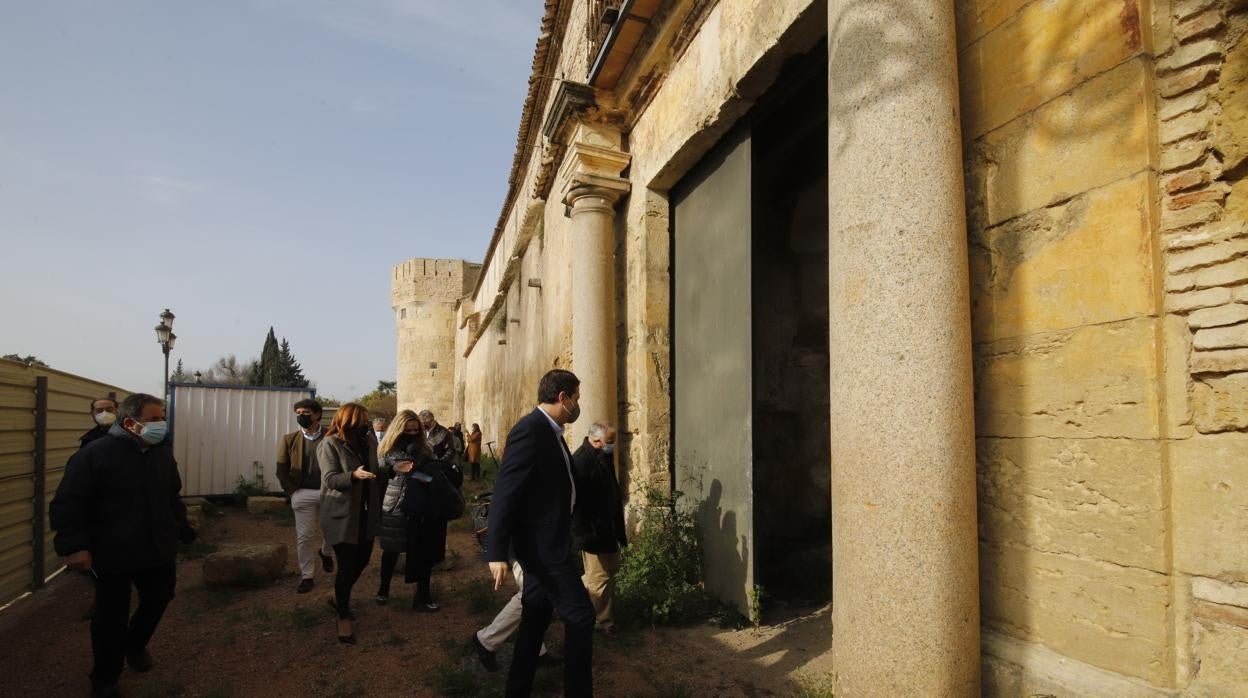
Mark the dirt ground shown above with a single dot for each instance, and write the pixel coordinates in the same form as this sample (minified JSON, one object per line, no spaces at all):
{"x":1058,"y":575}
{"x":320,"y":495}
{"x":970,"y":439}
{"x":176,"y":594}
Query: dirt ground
{"x":272,"y":642}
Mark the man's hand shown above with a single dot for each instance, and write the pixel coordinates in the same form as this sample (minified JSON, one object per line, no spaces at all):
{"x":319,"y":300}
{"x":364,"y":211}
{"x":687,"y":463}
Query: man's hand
{"x":361,"y":473}
{"x":81,"y":561}
{"x":498,"y":570}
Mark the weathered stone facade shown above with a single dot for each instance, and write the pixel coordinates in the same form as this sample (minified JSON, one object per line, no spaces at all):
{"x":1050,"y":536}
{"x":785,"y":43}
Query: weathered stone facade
{"x":1202,"y":109}
{"x":1104,"y":154}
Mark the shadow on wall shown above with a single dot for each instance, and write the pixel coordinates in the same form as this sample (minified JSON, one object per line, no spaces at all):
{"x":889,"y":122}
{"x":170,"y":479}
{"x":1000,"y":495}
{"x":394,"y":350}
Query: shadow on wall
{"x":870,"y":59}
{"x":799,"y":640}
{"x":1049,"y":116}
{"x":724,"y":552}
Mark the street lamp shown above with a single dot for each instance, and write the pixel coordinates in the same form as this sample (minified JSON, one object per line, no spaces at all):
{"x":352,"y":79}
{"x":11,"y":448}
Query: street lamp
{"x":165,"y":337}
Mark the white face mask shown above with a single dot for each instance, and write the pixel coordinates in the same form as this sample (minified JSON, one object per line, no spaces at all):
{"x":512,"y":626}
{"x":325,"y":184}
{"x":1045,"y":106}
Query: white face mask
{"x":105,"y":419}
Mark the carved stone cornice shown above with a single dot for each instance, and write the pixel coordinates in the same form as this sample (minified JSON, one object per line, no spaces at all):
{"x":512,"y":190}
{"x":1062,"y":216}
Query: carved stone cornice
{"x":573,"y":100}
{"x":529,"y":225}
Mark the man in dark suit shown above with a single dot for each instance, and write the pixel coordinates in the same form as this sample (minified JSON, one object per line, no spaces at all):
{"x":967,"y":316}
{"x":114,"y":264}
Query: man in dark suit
{"x":531,"y":513}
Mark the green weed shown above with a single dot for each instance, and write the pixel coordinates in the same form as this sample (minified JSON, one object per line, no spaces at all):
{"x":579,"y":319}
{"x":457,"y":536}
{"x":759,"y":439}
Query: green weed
{"x":815,"y":686}
{"x":659,"y":581}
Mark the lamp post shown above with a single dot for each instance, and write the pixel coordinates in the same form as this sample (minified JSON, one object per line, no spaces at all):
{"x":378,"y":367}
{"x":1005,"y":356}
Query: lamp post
{"x":165,"y":337}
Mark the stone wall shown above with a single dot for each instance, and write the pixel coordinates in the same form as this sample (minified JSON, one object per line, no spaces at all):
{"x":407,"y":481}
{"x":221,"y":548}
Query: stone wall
{"x":1202,"y":108}
{"x":1058,"y":118}
{"x":1105,"y":152}
{"x":424,"y":294}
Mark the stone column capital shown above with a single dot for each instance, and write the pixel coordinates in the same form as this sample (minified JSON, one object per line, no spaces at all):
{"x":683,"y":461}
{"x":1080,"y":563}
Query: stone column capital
{"x":593,"y":192}
{"x":592,"y":167}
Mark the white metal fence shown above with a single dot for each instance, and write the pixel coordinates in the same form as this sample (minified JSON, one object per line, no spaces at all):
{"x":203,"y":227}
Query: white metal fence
{"x":222,"y":433}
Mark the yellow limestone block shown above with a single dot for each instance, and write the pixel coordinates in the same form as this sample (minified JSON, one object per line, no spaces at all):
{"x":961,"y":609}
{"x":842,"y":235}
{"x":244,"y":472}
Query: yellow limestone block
{"x":1096,"y":612}
{"x":1095,"y":498}
{"x":1092,"y":381}
{"x":1097,"y":134}
{"x":1041,"y":52}
{"x":1210,"y":500}
{"x":1048,"y":269}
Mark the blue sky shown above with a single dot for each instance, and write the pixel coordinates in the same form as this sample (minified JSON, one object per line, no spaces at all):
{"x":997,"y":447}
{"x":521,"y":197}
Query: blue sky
{"x":245,"y":163}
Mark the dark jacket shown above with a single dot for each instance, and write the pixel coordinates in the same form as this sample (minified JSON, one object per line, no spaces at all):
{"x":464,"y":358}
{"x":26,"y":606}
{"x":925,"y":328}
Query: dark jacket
{"x":94,"y":433}
{"x":422,"y":539}
{"x":441,"y":442}
{"x":290,"y":471}
{"x":530,"y":509}
{"x":342,"y":495}
{"x":598,"y":520}
{"x":120,"y":503}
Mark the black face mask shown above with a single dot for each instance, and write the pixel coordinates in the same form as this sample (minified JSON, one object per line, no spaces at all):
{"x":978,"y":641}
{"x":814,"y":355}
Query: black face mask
{"x":304,"y":420}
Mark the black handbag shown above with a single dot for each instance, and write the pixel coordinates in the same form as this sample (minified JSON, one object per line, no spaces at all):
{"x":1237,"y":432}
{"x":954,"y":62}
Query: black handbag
{"x":430,"y":494}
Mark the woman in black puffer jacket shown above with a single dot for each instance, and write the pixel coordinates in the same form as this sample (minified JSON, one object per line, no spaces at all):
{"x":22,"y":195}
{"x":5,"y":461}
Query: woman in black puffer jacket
{"x":408,"y":461}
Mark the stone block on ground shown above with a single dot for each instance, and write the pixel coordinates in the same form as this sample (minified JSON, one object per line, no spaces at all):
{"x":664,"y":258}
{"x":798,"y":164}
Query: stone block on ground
{"x":244,"y":565}
{"x":265,"y":505}
{"x":195,"y":515}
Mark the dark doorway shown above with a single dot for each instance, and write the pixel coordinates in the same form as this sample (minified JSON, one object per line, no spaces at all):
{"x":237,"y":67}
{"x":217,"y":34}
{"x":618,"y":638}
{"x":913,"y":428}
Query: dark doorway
{"x":792,"y":476}
{"x":750,"y":408}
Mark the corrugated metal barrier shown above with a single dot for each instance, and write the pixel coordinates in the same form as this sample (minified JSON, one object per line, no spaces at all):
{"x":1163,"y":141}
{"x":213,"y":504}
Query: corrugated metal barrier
{"x":225,"y":432}
{"x":42,"y":414}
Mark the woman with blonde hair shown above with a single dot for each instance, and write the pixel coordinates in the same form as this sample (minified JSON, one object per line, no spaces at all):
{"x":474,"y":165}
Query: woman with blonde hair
{"x":350,"y":503}
{"x":411,"y":520}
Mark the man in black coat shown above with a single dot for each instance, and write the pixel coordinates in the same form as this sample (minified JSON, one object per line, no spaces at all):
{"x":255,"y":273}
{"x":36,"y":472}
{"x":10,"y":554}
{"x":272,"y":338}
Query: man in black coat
{"x":103,"y":413}
{"x":598,"y":519}
{"x":117,"y":513}
{"x":531,"y":513}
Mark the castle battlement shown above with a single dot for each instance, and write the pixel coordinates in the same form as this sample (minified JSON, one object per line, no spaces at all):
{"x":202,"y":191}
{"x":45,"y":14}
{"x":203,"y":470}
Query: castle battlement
{"x":421,"y":280}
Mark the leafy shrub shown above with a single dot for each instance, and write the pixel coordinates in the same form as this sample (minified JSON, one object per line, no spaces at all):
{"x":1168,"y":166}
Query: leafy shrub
{"x":244,"y":488}
{"x":659,"y":581}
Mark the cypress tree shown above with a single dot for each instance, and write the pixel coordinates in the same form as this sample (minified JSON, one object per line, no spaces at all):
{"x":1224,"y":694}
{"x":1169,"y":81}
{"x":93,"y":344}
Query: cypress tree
{"x":290,"y":373}
{"x":266,"y":369}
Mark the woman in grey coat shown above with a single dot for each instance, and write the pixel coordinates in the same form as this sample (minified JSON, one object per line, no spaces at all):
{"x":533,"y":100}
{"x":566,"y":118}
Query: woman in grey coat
{"x":350,"y":503}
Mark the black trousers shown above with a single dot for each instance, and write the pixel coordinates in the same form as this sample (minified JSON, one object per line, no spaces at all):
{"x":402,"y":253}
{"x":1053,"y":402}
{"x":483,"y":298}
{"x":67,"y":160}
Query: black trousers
{"x":114,"y":632}
{"x":560,"y":591}
{"x":421,"y":572}
{"x":352,"y":559}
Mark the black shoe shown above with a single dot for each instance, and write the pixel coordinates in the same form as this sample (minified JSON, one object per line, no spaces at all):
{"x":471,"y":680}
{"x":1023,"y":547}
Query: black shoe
{"x":327,"y":562}
{"x":139,"y":660}
{"x":382,"y":599}
{"x":488,"y":659}
{"x":305,"y":585}
{"x":347,"y":639}
{"x":425,"y":606}
{"x":549,"y":659}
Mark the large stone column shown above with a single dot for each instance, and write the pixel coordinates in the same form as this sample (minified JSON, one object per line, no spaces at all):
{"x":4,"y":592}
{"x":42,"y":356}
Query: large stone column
{"x":905,"y":562}
{"x":591,"y":187}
